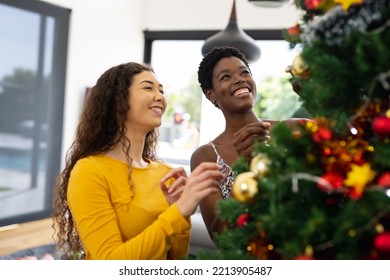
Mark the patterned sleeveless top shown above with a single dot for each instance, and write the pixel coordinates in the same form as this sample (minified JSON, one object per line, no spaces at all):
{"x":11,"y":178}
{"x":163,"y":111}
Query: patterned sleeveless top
{"x":226,"y":183}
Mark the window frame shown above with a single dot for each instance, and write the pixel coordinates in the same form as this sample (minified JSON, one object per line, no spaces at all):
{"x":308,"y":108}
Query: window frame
{"x":151,"y":36}
{"x":56,"y":104}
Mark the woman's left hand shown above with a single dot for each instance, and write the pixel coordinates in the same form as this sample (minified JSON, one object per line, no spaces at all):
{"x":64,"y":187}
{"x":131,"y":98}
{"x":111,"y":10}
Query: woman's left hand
{"x":173,"y":192}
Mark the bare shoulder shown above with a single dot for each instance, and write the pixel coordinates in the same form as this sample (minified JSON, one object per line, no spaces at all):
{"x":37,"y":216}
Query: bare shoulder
{"x":204,"y":153}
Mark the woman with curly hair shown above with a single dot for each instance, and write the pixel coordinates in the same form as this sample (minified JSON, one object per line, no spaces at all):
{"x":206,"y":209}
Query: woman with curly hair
{"x":114,"y":199}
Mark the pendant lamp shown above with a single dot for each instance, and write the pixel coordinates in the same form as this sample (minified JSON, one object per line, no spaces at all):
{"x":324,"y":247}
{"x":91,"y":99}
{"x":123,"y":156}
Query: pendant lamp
{"x":233,"y":36}
{"x":268,"y":3}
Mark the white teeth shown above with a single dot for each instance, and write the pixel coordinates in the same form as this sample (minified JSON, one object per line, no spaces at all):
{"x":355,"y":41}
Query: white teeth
{"x":241,"y":91}
{"x":157,"y":109}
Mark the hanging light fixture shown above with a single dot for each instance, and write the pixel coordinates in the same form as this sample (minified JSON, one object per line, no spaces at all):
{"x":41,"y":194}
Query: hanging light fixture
{"x":233,"y":36}
{"x":268,"y":3}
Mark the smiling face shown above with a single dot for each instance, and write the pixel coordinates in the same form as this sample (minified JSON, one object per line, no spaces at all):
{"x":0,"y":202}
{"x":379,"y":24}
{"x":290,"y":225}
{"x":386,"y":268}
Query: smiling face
{"x":146,"y":101}
{"x":233,"y":86}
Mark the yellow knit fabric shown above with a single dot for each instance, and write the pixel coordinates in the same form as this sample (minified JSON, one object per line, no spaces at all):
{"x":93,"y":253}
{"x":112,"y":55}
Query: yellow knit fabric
{"x":116,"y":223}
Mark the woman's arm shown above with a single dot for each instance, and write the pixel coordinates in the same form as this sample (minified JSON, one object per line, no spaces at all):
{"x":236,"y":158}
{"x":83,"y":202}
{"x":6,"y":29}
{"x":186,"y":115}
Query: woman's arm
{"x":207,"y":206}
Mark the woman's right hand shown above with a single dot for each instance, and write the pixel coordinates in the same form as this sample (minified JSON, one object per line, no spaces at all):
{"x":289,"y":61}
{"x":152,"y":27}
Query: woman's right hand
{"x":245,"y":139}
{"x":202,"y":181}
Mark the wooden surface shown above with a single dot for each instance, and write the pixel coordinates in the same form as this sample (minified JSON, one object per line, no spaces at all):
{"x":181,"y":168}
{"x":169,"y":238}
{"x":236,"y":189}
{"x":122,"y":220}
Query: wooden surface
{"x":18,"y":237}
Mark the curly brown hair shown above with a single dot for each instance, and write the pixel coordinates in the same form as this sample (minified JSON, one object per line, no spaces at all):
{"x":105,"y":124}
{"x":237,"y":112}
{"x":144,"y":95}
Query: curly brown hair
{"x":101,"y":128}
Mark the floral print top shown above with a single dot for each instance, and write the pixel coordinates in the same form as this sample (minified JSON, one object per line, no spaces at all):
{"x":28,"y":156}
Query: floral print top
{"x":226,"y":183}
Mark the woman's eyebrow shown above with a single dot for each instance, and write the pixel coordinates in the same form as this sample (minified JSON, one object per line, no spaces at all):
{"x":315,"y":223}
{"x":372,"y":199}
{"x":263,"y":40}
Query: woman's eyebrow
{"x":150,"y":82}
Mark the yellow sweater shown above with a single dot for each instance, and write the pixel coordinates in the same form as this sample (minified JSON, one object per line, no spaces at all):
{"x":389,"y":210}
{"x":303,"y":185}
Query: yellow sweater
{"x":114,"y":222}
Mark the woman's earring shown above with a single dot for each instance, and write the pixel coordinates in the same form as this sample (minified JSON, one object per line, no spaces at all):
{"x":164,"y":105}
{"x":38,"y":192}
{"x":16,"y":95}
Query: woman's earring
{"x":215,"y":103}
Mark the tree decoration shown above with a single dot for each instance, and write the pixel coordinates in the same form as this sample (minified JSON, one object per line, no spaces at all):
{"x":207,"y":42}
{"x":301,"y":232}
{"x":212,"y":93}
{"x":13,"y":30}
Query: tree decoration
{"x":333,"y":181}
{"x":314,"y":4}
{"x":325,"y":191}
{"x":384,"y":180}
{"x":346,"y":4}
{"x":381,"y":125}
{"x":245,"y":187}
{"x":259,"y":165}
{"x":293,"y":34}
{"x":243,"y":220}
{"x":308,"y":255}
{"x":299,"y":67}
{"x":359,"y":177}
{"x":382,"y":241}
{"x":320,"y":5}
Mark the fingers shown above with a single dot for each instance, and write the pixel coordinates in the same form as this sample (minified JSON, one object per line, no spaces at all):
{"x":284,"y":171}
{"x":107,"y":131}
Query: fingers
{"x":260,"y":129}
{"x":187,"y":204}
{"x":173,"y":192}
{"x":205,"y":178}
{"x":246,"y":137}
{"x":178,"y":184}
{"x":202,"y":181}
{"x":174,"y":173}
{"x":204,"y":166}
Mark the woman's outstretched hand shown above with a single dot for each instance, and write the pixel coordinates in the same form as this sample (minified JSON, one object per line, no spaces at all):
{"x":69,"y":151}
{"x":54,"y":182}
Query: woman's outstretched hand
{"x":187,"y":192}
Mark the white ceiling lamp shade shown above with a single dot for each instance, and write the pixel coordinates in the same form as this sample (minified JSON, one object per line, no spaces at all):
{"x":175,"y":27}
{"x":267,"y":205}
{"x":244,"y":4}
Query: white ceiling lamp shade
{"x":268,"y":3}
{"x":233,"y":36}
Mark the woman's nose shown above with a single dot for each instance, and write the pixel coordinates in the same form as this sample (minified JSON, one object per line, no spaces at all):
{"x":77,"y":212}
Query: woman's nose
{"x":240,"y":80}
{"x":159,"y":96}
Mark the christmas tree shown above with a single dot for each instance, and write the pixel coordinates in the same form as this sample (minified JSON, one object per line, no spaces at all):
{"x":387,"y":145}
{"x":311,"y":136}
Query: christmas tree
{"x":324,"y":192}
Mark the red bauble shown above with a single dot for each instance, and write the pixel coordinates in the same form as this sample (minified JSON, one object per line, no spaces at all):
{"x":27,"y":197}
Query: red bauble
{"x":313,"y":4}
{"x":384,"y":180}
{"x":381,"y":126}
{"x":294,"y":30}
{"x":322,"y":134}
{"x":304,"y":257}
{"x":334,"y":179}
{"x":242,"y":220}
{"x":382,"y":241}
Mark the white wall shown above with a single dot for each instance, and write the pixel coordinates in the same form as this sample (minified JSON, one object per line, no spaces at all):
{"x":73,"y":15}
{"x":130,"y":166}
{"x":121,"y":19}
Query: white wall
{"x":214,"y":14}
{"x":104,"y":33}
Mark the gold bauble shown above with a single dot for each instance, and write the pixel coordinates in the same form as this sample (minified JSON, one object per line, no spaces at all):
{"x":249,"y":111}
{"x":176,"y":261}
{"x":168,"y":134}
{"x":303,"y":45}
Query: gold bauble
{"x":299,"y":67}
{"x":260,"y":165}
{"x":245,"y":187}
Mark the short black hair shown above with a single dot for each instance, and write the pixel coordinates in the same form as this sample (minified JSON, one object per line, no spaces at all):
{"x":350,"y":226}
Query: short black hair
{"x":206,"y":66}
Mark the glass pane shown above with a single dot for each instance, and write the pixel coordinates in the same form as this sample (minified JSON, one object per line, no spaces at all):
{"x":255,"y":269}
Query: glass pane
{"x":179,"y":134}
{"x":25,"y":75}
{"x":275,"y":97}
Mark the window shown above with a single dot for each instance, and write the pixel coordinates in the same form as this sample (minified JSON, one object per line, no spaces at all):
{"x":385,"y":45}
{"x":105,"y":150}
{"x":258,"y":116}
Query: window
{"x":33,"y":40}
{"x":191,"y":119}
